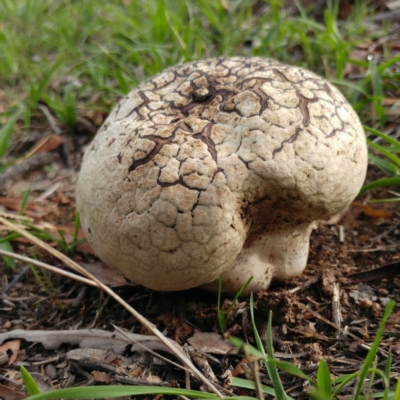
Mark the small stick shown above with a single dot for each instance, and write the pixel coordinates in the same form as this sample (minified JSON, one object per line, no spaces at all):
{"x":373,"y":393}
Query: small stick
{"x":26,"y":166}
{"x":336,"y":312}
{"x":50,"y":119}
{"x":257,"y":380}
{"x":15,"y":280}
{"x":341,"y":234}
{"x":341,"y":330}
{"x":305,"y":285}
{"x":16,"y":216}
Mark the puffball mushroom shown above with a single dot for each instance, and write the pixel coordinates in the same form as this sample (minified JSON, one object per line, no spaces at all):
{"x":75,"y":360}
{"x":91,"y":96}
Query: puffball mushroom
{"x":219,"y":168}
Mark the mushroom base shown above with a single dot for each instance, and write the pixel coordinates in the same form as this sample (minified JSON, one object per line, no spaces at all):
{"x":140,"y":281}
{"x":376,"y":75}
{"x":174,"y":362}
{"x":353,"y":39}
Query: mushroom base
{"x":279,"y":255}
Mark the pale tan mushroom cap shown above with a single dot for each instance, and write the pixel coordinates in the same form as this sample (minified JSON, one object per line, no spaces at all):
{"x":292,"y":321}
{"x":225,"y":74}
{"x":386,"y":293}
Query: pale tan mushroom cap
{"x":213,"y":157}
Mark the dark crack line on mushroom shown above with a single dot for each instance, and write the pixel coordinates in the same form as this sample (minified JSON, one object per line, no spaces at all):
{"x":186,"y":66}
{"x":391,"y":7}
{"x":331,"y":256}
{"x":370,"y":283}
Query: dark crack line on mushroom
{"x":290,"y":140}
{"x":159,"y":143}
{"x":177,"y":182}
{"x":263,"y":97}
{"x":185,"y":110}
{"x":256,"y":89}
{"x":185,"y":127}
{"x":146,"y":101}
{"x":327,"y":89}
{"x":246,"y":163}
{"x":333,"y":133}
{"x":282,"y":76}
{"x":204,"y":136}
{"x":110,"y":142}
{"x":303,"y":104}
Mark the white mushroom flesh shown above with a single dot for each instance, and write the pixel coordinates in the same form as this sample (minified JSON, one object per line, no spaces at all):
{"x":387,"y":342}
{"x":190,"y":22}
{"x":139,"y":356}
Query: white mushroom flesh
{"x":219,"y":167}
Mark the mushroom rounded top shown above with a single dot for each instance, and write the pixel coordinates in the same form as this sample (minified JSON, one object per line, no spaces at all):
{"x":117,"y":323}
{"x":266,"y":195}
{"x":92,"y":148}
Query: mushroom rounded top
{"x":219,"y":167}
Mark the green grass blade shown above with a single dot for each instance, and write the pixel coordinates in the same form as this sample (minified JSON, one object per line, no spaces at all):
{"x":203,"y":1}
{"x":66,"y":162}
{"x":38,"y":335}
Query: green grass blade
{"x":376,"y":82}
{"x":221,"y":315}
{"x":6,"y":131}
{"x":104,"y":392}
{"x":388,"y":64}
{"x":386,"y":166}
{"x":9,"y":262}
{"x":371,"y":378}
{"x":397,"y":393}
{"x":343,"y":381}
{"x":250,"y":350}
{"x":383,"y":136}
{"x":238,"y":294}
{"x":345,"y":377}
{"x":30,"y":384}
{"x":380,"y":183}
{"x":390,"y":200}
{"x":386,"y":153}
{"x":388,"y":368}
{"x":37,"y":91}
{"x":246,"y":384}
{"x":292,"y":370}
{"x":324,"y":381}
{"x":271,"y":368}
{"x":374,"y":348}
{"x":24,"y":201}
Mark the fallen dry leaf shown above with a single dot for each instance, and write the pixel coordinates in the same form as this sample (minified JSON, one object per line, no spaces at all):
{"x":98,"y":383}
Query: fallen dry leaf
{"x":32,"y":210}
{"x":101,"y":376}
{"x":62,"y":199}
{"x":105,"y":274}
{"x":239,"y":369}
{"x":136,"y":372}
{"x":373,"y":212}
{"x":45,"y":145}
{"x":14,"y":347}
{"x":9,"y":394}
{"x":210,"y":342}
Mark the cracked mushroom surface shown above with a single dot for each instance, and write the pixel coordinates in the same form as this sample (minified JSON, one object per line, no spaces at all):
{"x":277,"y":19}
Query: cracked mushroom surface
{"x":219,"y":168}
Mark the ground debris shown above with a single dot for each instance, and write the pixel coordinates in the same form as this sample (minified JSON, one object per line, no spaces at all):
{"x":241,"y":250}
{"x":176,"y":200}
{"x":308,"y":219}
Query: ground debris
{"x":88,"y":338}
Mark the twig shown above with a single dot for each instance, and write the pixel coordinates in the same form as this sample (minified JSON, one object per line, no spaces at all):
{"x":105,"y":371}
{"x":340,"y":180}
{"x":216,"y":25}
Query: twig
{"x":336,"y":313}
{"x":187,"y":374}
{"x":150,"y":326}
{"x":77,"y":301}
{"x":148,"y":349}
{"x":305,"y":285}
{"x":341,"y":330}
{"x":50,"y":119}
{"x":382,"y":235}
{"x":257,"y":380}
{"x":16,"y":216}
{"x":341,"y":233}
{"x":52,"y":122}
{"x":379,"y":248}
{"x":203,"y":364}
{"x":15,"y":280}
{"x":26,"y":166}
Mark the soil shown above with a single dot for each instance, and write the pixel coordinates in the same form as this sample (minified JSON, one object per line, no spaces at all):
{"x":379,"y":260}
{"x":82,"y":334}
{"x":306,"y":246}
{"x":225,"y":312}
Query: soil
{"x":332,"y":311}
